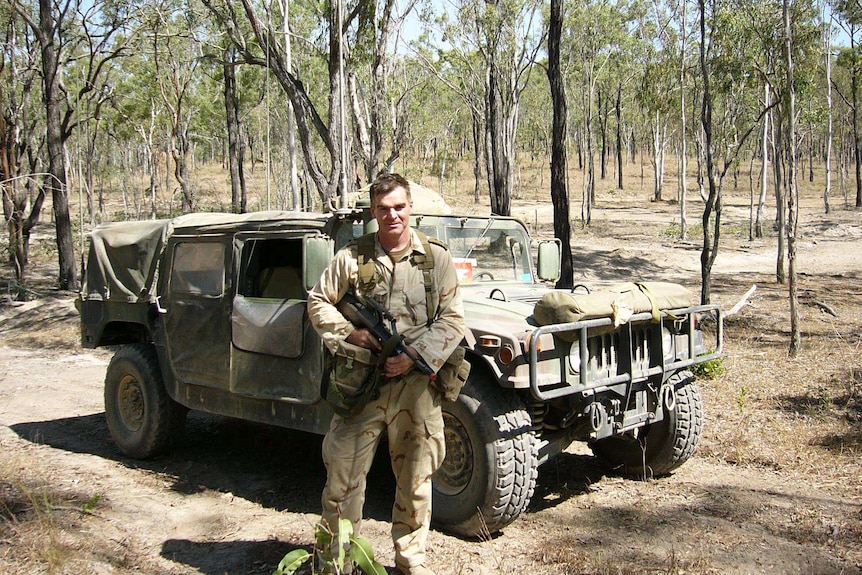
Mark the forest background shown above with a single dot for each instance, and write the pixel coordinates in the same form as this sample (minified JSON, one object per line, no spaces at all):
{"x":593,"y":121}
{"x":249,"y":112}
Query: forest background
{"x":302,"y":102}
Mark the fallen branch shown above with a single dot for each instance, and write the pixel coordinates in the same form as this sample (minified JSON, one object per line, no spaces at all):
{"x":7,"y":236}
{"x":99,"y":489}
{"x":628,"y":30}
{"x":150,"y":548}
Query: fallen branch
{"x":824,"y":307}
{"x":742,"y":302}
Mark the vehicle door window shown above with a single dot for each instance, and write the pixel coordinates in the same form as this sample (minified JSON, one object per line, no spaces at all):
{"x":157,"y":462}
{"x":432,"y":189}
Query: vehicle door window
{"x":272,"y":269}
{"x":198,"y":268}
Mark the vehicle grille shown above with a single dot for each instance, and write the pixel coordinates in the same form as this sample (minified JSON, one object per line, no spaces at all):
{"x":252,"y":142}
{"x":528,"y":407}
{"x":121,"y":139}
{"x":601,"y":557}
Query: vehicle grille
{"x":608,"y":354}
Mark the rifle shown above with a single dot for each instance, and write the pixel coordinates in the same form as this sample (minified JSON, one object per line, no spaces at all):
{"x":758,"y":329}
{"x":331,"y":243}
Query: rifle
{"x":391,"y":341}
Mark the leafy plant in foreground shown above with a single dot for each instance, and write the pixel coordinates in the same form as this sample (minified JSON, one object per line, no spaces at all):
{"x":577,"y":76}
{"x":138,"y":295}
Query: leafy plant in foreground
{"x":335,"y":552}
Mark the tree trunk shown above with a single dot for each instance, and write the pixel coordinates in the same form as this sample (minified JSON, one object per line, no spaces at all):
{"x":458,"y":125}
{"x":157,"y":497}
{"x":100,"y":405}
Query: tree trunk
{"x":305,"y":113}
{"x":854,"y":109}
{"x":683,"y":153}
{"x":764,"y":180}
{"x":339,"y":142}
{"x":16,"y":198}
{"x":619,"y":115}
{"x":235,"y":149}
{"x":589,"y":156}
{"x":778,"y":164}
{"x":792,"y":188}
{"x":603,"y":135}
{"x":827,"y":56}
{"x":559,"y":161}
{"x":180,"y":155}
{"x":658,"y":157}
{"x":709,"y":250}
{"x":498,"y":116}
{"x":55,"y":181}
{"x":477,"y":158}
{"x":295,"y":195}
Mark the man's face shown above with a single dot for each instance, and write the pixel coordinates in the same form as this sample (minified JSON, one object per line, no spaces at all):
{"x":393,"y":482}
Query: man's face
{"x":392,"y":212}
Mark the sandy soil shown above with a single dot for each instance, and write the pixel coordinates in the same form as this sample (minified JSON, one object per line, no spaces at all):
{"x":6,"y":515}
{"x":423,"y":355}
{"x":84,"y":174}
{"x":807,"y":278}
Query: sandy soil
{"x":776,"y":486}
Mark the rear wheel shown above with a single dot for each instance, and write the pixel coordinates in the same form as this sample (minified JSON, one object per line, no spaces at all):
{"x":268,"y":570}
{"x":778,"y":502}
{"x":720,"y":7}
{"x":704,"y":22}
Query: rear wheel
{"x":489,"y":473}
{"x":144,"y":421}
{"x":661,"y":447}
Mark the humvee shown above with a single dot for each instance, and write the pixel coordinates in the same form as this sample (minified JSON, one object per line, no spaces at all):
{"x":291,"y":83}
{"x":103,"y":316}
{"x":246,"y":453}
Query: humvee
{"x":208,"y":312}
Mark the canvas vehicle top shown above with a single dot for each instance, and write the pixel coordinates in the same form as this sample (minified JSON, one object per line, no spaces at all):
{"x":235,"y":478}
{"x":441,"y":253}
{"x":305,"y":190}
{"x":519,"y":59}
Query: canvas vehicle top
{"x":209,"y":311}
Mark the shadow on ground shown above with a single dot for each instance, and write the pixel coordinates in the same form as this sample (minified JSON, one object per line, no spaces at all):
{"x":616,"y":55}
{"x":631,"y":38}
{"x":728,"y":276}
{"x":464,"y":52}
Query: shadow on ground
{"x":228,"y":557}
{"x":277,"y":468}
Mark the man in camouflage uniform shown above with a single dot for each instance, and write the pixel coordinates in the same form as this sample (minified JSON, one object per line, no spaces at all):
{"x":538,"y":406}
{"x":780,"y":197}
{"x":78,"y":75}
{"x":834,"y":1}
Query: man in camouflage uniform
{"x":407,"y":408}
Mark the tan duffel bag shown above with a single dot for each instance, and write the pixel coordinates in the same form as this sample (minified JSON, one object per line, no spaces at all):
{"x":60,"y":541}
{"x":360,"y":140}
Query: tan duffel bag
{"x":619,"y":302}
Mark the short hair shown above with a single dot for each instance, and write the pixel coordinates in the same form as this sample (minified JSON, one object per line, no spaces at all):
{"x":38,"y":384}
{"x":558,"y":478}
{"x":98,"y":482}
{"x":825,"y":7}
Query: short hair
{"x":387,"y":182}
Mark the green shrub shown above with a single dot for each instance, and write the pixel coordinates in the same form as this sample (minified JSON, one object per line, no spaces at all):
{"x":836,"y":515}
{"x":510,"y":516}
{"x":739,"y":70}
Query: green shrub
{"x":352,"y":551}
{"x":712,"y":369}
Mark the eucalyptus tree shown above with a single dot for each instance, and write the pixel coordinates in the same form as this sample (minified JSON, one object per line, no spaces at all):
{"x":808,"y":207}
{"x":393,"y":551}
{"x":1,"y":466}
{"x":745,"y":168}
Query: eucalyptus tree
{"x":175,"y":54}
{"x":236,"y":147}
{"x":504,"y":36}
{"x":379,"y":118}
{"x":597,"y":32}
{"x":764,"y":33}
{"x":666,"y":86}
{"x":827,"y":64}
{"x":354,"y":42}
{"x":86,"y":35}
{"x":731,"y":111}
{"x":684,"y":33}
{"x":462,"y":71}
{"x":848,"y":15}
{"x":789,"y":109}
{"x":659,"y":92}
{"x":802,"y":46}
{"x":19,"y":146}
{"x":441,"y":130}
{"x":728,"y":116}
{"x":559,"y":157}
{"x":139,"y":130}
{"x":631,"y":38}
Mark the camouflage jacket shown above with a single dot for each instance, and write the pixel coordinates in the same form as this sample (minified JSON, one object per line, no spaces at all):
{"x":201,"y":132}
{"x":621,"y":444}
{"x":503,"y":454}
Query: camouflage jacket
{"x":401,"y":289}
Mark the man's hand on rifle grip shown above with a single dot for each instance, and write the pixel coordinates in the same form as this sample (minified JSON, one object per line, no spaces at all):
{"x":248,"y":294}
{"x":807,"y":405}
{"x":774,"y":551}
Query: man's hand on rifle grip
{"x":398,"y":364}
{"x":363,"y":338}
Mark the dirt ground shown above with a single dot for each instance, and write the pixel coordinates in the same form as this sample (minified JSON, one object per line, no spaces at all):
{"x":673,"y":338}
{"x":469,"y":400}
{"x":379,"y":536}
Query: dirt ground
{"x":775,"y":487}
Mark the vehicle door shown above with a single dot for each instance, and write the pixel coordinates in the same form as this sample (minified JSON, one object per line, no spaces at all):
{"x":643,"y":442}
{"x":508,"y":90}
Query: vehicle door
{"x":275,"y":353}
{"x":196,"y":310}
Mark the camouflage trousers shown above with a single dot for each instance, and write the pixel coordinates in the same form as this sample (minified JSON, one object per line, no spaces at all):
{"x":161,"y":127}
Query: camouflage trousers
{"x":409,"y":411}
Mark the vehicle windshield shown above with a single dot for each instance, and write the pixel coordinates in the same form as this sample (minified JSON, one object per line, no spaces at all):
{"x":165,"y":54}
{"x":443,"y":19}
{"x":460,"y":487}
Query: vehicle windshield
{"x":483,"y":249}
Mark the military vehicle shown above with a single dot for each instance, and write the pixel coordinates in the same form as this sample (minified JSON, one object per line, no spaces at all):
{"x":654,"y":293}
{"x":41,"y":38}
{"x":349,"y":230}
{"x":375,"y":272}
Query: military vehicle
{"x":208,"y":312}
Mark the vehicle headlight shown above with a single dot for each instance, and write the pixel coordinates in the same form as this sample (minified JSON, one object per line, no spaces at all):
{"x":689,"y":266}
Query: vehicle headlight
{"x":667,"y":343}
{"x":575,"y":357}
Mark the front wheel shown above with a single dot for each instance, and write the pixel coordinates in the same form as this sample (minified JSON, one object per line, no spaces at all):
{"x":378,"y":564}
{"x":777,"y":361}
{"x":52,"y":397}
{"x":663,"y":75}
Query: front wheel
{"x":144,"y":421}
{"x":661,"y":447}
{"x":489,"y":473}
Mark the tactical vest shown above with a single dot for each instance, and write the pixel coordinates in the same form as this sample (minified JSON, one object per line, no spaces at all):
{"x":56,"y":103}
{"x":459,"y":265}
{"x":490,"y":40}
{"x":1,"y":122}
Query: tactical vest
{"x":425,"y":262}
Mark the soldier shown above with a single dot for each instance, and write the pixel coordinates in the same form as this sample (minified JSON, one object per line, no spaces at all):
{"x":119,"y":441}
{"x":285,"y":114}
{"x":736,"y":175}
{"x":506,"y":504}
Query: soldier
{"x":431,"y":318}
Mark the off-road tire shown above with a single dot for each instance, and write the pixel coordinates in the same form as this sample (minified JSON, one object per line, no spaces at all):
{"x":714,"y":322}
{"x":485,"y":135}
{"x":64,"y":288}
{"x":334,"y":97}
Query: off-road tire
{"x":489,"y":473}
{"x":663,"y":446}
{"x":144,"y":421}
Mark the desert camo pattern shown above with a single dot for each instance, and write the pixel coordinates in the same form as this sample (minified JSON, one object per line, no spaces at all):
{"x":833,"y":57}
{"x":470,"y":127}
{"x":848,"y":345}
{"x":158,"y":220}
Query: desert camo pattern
{"x":408,"y":409}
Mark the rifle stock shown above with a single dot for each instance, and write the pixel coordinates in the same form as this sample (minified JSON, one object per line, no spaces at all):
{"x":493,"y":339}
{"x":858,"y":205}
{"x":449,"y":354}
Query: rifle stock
{"x":352,"y":308}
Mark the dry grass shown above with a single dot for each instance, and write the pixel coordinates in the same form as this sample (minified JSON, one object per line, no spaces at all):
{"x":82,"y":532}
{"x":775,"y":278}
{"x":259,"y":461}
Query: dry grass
{"x":42,"y":527}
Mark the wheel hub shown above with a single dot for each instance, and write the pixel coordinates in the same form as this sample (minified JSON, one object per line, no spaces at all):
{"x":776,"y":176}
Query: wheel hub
{"x":131,"y":402}
{"x":457,"y":469}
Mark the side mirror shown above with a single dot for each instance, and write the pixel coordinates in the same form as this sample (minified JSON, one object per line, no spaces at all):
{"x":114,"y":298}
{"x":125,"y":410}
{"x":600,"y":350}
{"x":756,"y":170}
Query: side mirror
{"x":317,"y":252}
{"x":550,"y":258}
